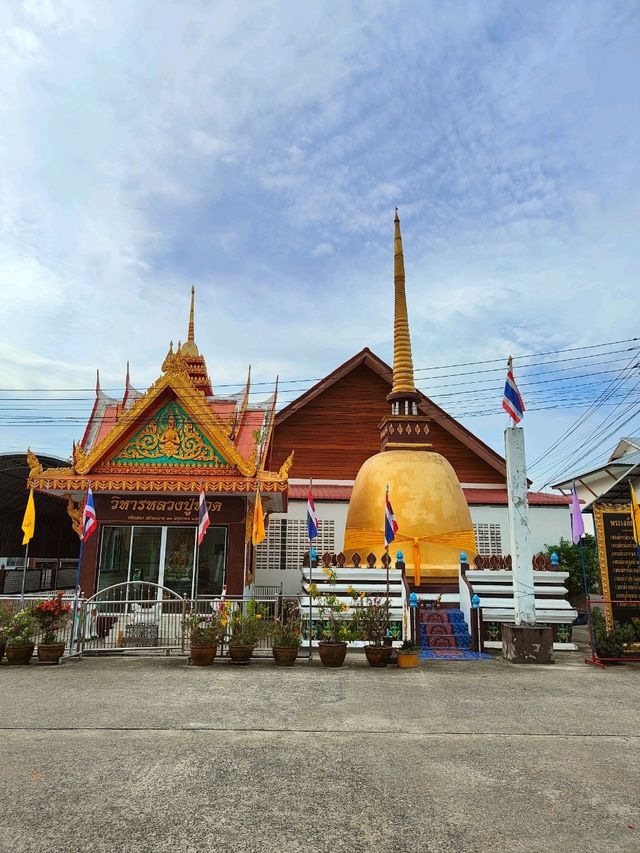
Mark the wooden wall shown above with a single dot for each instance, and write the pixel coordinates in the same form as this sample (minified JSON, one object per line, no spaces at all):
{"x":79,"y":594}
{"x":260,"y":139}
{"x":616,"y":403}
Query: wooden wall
{"x":339,"y":429}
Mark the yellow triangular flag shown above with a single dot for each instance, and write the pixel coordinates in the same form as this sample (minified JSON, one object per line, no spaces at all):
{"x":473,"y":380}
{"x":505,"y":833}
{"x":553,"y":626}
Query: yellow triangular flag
{"x":258,"y":522}
{"x":29,"y":520}
{"x":635,"y":512}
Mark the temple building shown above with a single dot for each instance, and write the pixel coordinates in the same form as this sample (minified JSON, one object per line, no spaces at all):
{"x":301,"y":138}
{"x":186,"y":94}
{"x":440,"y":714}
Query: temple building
{"x":366,"y":426}
{"x":147,"y":455}
{"x":146,"y":458}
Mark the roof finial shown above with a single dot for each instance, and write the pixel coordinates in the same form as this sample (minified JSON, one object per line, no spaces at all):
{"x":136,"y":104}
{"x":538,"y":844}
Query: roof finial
{"x":403,"y":381}
{"x":190,"y":333}
{"x":97,"y":382}
{"x":189,"y":346}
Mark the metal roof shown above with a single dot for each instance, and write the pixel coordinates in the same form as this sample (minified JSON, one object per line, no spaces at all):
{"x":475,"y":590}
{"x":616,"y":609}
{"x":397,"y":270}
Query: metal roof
{"x":13,"y":478}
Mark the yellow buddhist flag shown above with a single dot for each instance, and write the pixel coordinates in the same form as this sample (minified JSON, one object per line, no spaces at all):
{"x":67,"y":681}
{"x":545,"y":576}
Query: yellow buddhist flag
{"x":29,"y":520}
{"x":258,"y":533}
{"x":635,"y":512}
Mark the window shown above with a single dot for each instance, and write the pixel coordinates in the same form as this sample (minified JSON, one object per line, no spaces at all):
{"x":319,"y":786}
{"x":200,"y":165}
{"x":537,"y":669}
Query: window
{"x":287,"y":542}
{"x":489,"y":539}
{"x":164,"y":556}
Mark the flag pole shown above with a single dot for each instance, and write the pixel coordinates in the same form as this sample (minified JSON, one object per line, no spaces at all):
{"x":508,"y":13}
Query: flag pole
{"x":24,"y":573}
{"x":386,"y":548}
{"x":77,"y":597}
{"x":575,"y":520}
{"x":310,"y":583}
{"x":28,"y":528}
{"x":636,"y":532}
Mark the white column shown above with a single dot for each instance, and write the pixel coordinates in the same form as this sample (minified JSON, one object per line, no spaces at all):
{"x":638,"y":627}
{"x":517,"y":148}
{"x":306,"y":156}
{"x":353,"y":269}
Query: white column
{"x":524,"y":598}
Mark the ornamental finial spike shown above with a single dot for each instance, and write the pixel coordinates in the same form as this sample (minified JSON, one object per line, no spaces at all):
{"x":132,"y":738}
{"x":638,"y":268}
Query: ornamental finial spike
{"x":189,"y":346}
{"x":190,"y":333}
{"x":403,"y":381}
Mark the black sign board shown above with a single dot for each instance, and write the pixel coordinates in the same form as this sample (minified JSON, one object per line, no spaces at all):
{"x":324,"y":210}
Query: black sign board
{"x":619,"y":565}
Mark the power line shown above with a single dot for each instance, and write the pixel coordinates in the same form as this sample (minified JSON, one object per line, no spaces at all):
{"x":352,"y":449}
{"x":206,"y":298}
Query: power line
{"x":608,"y":392}
{"x":271,"y":383}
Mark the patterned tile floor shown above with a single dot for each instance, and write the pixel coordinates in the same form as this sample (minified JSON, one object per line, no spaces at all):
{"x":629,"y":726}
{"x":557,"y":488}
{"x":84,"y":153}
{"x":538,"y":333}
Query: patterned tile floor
{"x":452,"y":654}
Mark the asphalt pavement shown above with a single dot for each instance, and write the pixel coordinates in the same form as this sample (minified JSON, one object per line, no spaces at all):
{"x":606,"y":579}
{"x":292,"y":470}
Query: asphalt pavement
{"x":149,"y":754}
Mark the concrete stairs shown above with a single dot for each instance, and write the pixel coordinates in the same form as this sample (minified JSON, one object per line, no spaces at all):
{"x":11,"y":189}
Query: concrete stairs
{"x":443,"y":629}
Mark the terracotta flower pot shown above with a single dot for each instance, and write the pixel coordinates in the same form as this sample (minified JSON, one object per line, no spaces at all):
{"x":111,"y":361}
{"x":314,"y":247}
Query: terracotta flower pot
{"x":1,"y":650}
{"x":408,"y":660}
{"x":332,"y":654}
{"x":50,"y":652}
{"x":378,"y":655}
{"x":285,"y":655}
{"x":240,"y":654}
{"x":19,"y":654}
{"x":202,"y":655}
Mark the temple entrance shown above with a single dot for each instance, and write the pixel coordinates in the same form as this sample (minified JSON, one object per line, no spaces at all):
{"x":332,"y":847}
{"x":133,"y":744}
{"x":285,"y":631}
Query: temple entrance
{"x":164,"y":556}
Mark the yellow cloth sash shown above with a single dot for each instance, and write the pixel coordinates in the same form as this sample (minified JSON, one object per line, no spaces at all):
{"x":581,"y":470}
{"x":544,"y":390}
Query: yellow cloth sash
{"x":464,"y":540}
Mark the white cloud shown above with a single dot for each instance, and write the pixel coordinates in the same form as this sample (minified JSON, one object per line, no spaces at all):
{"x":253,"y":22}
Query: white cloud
{"x":323,"y":249}
{"x":231,"y":145}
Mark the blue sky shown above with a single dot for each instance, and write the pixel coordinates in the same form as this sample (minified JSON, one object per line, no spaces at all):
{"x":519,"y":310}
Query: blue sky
{"x":257,"y":150}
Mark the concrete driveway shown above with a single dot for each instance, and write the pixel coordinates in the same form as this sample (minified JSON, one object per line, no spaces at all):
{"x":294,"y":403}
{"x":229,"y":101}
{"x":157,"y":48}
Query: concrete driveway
{"x":147,"y":754}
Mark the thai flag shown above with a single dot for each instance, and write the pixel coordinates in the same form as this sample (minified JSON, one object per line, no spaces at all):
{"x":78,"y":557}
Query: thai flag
{"x":203,"y":518}
{"x":390,"y":523}
{"x":312,"y":518}
{"x":89,"y":520}
{"x":512,"y":401}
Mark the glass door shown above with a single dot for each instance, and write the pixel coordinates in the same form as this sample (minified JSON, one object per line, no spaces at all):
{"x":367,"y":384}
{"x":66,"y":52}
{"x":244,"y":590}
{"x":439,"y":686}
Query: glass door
{"x":212,"y":562}
{"x":114,"y":556}
{"x":146,"y":548}
{"x":179,"y":559}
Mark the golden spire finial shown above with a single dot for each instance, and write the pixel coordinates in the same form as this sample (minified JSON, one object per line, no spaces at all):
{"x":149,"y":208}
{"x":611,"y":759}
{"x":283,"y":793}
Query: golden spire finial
{"x":190,"y":333}
{"x":403,"y":381}
{"x":189,"y":346}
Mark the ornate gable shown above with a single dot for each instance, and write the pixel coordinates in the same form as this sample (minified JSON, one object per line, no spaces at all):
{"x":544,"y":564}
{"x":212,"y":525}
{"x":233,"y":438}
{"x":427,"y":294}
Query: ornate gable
{"x":170,"y":426}
{"x":169,"y":438}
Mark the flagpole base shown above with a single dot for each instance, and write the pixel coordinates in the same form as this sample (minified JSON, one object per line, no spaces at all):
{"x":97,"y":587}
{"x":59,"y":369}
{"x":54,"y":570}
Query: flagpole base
{"x":527,"y":644}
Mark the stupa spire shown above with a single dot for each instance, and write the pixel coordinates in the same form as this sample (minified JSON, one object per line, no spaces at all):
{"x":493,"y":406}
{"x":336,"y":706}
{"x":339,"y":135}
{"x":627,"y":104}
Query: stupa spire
{"x":191,"y":330}
{"x":404,"y":387}
{"x":189,"y":346}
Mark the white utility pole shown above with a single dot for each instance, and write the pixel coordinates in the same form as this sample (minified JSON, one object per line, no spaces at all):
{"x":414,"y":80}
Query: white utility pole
{"x":521,"y":557}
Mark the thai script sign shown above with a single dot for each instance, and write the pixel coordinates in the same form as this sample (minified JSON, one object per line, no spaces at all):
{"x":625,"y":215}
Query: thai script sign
{"x":145,"y":510}
{"x":619,"y":567}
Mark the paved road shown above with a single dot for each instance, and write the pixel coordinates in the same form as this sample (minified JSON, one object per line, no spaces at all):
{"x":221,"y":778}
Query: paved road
{"x":147,"y":754}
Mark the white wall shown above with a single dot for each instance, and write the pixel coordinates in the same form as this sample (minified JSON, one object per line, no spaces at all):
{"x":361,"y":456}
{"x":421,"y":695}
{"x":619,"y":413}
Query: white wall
{"x":336,"y":510}
{"x":546,"y":523}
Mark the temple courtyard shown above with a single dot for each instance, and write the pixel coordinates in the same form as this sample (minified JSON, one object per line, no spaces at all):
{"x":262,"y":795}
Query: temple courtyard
{"x":147,"y":754}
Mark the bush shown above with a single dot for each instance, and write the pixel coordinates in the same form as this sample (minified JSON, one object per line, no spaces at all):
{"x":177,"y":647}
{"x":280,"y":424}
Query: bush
{"x":570,"y":561}
{"x":22,"y":628}
{"x":612,"y":644}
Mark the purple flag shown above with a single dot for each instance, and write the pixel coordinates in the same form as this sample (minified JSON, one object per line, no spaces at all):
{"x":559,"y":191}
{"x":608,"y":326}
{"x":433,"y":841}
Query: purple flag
{"x":577,"y":522}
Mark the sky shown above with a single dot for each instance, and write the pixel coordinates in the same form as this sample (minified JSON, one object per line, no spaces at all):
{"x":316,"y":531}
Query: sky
{"x":257,"y":150}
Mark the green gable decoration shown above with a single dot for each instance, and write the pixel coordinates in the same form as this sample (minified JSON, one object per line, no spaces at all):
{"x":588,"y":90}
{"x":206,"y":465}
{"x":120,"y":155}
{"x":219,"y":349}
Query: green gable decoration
{"x":170,"y":438}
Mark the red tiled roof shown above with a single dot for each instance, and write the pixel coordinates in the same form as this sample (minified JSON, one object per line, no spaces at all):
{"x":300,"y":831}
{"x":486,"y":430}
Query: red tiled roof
{"x":474,"y":496}
{"x":499,"y":496}
{"x":320,"y":493}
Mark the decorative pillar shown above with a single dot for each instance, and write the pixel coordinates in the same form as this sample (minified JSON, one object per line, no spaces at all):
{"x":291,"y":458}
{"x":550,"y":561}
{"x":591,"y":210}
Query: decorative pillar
{"x":523,"y":594}
{"x":524,"y":642}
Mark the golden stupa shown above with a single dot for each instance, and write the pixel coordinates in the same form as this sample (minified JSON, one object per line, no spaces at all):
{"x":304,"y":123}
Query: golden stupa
{"x":434,"y":523}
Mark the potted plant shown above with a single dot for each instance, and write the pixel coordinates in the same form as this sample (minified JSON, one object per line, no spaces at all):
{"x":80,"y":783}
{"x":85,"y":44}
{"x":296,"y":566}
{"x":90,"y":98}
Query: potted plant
{"x":247,"y":627}
{"x":51,"y":615}
{"x":373,"y":622}
{"x":20,"y":633}
{"x":205,"y":630}
{"x":286,"y":635}
{"x":408,"y":655}
{"x":335,"y":629}
{"x":5,"y":618}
